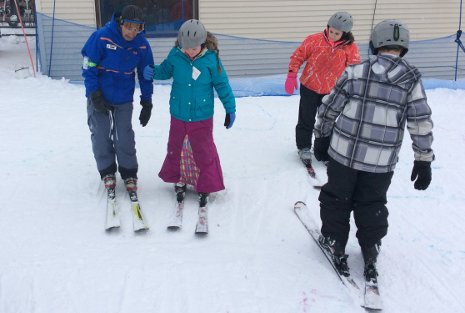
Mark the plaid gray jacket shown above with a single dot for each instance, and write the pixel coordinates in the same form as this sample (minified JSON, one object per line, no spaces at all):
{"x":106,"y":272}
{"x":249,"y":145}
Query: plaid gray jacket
{"x":366,"y":112}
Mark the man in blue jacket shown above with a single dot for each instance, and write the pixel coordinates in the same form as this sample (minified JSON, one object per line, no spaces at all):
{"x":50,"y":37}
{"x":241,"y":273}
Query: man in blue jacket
{"x":112,"y":57}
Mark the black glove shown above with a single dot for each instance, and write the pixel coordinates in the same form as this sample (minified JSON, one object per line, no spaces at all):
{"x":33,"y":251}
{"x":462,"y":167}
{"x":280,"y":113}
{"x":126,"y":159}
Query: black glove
{"x":320,"y":148}
{"x":99,"y":102}
{"x":229,"y":120}
{"x":421,"y":174}
{"x":146,"y":112}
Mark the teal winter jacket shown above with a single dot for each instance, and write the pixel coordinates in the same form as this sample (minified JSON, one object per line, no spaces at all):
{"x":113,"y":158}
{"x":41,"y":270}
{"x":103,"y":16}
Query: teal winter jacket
{"x":192,"y":97}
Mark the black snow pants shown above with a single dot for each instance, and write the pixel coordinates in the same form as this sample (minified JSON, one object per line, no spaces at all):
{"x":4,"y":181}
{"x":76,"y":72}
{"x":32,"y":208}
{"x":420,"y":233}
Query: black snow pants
{"x":308,"y":107}
{"x":364,"y":193}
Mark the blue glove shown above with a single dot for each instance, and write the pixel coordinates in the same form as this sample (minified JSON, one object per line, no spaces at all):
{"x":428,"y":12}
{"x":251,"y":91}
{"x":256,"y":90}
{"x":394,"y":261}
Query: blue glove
{"x":148,"y":72}
{"x":229,"y":120}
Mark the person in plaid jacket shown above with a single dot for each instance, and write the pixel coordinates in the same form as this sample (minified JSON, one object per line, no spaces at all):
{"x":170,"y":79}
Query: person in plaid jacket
{"x":359,"y":130}
{"x":326,"y":55}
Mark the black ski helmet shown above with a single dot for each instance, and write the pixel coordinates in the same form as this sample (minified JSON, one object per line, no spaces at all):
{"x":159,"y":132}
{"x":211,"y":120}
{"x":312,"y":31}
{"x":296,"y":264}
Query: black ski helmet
{"x":133,"y":14}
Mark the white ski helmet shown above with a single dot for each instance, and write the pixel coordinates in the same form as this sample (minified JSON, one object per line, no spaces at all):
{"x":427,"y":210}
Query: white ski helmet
{"x":390,"y":33}
{"x":192,"y":34}
{"x":342,"y":21}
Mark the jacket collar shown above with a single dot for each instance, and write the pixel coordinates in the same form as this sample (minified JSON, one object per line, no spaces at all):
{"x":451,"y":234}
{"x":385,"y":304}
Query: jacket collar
{"x":198,"y":56}
{"x":333,"y":44}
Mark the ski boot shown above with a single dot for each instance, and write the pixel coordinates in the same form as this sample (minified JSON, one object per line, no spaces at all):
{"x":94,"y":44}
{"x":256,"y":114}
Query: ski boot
{"x":110,"y":184}
{"x":370,"y":255}
{"x":131,"y":184}
{"x":203,"y":199}
{"x":202,"y":222}
{"x":305,"y":156}
{"x":337,"y":252}
{"x":180,"y":189}
{"x":131,"y":187}
{"x":109,"y":181}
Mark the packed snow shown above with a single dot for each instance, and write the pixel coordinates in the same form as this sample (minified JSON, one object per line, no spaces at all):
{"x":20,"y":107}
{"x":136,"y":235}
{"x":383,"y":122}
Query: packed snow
{"x":56,"y":257}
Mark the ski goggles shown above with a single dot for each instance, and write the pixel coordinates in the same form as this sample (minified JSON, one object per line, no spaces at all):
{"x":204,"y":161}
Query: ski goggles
{"x":133,"y":25}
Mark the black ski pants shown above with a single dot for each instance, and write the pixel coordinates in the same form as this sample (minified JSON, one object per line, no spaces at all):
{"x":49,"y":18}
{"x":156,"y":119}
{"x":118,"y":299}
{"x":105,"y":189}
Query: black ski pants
{"x":364,"y":193}
{"x":308,"y":107}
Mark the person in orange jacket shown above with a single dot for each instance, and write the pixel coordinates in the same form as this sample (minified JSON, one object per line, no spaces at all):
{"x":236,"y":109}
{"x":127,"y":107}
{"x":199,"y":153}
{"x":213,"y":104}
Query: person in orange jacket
{"x":326,"y":55}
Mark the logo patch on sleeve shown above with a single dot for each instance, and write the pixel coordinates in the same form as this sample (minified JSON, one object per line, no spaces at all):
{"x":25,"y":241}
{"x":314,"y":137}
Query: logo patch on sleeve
{"x":85,"y":63}
{"x":110,"y":46}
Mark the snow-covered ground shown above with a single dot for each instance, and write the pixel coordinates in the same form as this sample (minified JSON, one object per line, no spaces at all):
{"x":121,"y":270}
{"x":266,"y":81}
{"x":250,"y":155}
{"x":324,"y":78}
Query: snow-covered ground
{"x":56,"y":257}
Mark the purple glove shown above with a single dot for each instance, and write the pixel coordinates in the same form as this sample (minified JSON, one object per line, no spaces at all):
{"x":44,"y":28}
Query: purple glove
{"x":291,"y":83}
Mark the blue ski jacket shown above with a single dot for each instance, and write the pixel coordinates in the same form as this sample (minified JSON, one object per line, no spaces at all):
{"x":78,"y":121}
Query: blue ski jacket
{"x":110,"y":64}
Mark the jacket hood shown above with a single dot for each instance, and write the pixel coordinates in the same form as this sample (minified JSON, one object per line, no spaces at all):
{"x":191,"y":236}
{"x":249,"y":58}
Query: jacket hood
{"x":397,"y":69}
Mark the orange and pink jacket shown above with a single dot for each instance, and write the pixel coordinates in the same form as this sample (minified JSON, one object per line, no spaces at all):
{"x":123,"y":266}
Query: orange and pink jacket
{"x":325,"y":61}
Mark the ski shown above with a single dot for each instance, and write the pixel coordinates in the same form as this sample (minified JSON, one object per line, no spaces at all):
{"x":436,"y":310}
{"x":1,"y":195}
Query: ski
{"x":113,"y":219}
{"x":301,"y":210}
{"x":176,"y":219}
{"x":311,"y":171}
{"x":139,"y":222}
{"x":371,"y":297}
{"x":202,"y":223}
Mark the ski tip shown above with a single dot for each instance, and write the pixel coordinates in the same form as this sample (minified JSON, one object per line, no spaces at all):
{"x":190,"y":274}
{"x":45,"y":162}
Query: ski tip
{"x":173,"y":228}
{"x":371,"y":308}
{"x":201,"y":234}
{"x":142,"y":230}
{"x":112,"y":229}
{"x":299,"y":204}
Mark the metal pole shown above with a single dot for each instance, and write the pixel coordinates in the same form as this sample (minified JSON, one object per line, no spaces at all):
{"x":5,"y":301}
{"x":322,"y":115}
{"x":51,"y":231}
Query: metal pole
{"x":51,"y":43}
{"x":18,"y":11}
{"x":457,"y":56}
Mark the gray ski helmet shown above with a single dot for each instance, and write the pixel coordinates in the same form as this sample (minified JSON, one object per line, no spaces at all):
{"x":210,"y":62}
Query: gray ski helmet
{"x":132,"y":14}
{"x":192,"y":34}
{"x":342,"y":21}
{"x":390,"y":33}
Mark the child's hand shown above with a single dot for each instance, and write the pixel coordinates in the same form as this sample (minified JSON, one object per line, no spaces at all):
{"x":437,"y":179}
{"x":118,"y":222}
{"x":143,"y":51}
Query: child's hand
{"x":320,"y":148}
{"x":421,"y":174}
{"x":148,"y":72}
{"x":229,"y":120}
{"x":291,"y":83}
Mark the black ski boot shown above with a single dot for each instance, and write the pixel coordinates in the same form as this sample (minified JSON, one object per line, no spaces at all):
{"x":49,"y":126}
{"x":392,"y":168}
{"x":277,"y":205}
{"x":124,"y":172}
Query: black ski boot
{"x":180,"y":190}
{"x":370,"y":255}
{"x":203,"y":199}
{"x":337,"y":252}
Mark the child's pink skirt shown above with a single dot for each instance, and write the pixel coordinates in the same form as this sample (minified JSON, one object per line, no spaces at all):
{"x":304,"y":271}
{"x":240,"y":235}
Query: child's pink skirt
{"x":192,"y":157}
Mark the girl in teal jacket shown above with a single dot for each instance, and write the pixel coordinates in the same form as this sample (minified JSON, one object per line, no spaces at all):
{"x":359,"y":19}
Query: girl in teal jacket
{"x":197,"y":71}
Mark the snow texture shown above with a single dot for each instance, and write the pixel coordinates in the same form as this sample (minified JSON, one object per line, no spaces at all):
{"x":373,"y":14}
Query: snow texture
{"x":56,"y":257}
